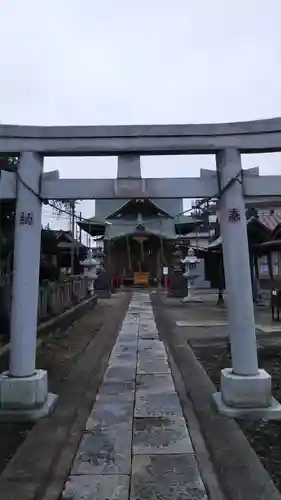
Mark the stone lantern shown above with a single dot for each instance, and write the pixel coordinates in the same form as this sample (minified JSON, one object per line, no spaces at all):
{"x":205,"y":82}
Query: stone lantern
{"x":190,"y":263}
{"x":97,"y":255}
{"x":90,"y":270}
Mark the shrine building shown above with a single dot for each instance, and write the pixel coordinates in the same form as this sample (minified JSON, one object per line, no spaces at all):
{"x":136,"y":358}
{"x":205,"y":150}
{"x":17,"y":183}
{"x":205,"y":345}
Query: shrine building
{"x":138,"y":234}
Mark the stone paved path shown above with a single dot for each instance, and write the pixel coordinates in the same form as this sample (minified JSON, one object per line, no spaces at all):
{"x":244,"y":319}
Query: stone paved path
{"x":136,"y":444}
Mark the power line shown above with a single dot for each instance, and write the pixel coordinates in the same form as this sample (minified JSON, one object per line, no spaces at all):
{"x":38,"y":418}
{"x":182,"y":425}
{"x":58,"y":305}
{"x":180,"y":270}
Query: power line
{"x":47,"y":202}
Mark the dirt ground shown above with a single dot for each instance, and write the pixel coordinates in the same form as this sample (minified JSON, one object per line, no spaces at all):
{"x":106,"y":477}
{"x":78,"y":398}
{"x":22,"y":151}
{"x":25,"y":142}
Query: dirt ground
{"x":58,"y":354}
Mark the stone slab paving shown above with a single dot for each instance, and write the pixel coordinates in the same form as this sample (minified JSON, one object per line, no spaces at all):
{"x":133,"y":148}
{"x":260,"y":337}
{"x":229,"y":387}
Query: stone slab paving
{"x":136,"y":444}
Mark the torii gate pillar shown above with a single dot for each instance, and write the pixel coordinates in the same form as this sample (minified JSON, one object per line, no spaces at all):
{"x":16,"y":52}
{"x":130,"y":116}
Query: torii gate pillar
{"x":245,"y":390}
{"x":23,"y":389}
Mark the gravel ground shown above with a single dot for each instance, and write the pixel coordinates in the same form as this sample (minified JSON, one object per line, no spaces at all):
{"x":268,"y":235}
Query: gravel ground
{"x":264,"y":437}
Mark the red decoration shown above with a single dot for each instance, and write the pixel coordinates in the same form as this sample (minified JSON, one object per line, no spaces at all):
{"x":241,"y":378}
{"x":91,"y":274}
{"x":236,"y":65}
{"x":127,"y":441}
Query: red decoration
{"x":234,"y":215}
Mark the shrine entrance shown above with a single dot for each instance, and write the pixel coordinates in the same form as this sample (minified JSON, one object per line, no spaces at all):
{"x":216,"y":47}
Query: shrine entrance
{"x":146,"y":259}
{"x":245,"y":389}
{"x":137,"y":258}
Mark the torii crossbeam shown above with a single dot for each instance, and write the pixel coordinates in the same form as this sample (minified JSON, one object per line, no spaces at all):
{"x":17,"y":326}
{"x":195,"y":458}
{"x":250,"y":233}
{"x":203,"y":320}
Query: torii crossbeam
{"x":258,"y":188}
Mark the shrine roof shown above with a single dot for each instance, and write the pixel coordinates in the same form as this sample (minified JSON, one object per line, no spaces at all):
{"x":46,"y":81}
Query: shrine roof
{"x":93,"y":226}
{"x":252,"y":223}
{"x":147,"y":232}
{"x":55,"y":241}
{"x":167,"y":226}
{"x":63,"y":238}
{"x":164,"y":229}
{"x":134,"y":206}
{"x":270,"y":220}
{"x":269,"y":245}
{"x":184,"y":224}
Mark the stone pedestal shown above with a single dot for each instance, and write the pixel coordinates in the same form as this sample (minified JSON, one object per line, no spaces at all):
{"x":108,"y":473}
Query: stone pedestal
{"x":102,"y":283}
{"x":241,"y":392}
{"x":25,"y":398}
{"x":247,"y":397}
{"x":177,"y":284}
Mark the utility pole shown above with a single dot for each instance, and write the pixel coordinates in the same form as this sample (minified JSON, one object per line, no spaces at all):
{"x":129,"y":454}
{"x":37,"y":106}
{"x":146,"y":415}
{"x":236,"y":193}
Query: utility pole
{"x":73,"y":236}
{"x":80,"y":230}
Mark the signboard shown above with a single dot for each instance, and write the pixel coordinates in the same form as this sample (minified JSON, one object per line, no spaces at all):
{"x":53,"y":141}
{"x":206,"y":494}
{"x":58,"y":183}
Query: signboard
{"x":127,"y":188}
{"x":26,"y":219}
{"x":165,"y":271}
{"x":234,"y":215}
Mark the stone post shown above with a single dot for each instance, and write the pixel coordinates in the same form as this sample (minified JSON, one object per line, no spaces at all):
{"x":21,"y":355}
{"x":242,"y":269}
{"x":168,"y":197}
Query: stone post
{"x":177,"y":281}
{"x":245,"y":390}
{"x":23,"y":389}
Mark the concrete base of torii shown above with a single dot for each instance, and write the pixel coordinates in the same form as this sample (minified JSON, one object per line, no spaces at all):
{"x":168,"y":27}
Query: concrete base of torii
{"x":25,"y":398}
{"x":272,"y":412}
{"x":247,"y":396}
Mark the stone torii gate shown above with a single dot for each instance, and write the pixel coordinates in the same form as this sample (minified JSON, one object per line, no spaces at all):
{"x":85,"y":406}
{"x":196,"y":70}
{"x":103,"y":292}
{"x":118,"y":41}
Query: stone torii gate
{"x":245,"y":390}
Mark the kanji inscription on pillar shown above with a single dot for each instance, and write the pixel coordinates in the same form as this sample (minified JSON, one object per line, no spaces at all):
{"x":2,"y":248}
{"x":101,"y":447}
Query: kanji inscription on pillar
{"x":234,"y":215}
{"x":26,"y":218}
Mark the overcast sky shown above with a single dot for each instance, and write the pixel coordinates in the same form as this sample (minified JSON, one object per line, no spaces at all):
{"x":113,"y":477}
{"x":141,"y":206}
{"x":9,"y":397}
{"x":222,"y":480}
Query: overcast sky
{"x":87,"y":62}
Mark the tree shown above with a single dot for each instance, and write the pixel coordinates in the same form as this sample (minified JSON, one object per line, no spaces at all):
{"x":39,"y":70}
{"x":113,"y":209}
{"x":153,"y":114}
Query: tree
{"x":202,"y":213}
{"x":62,"y":206}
